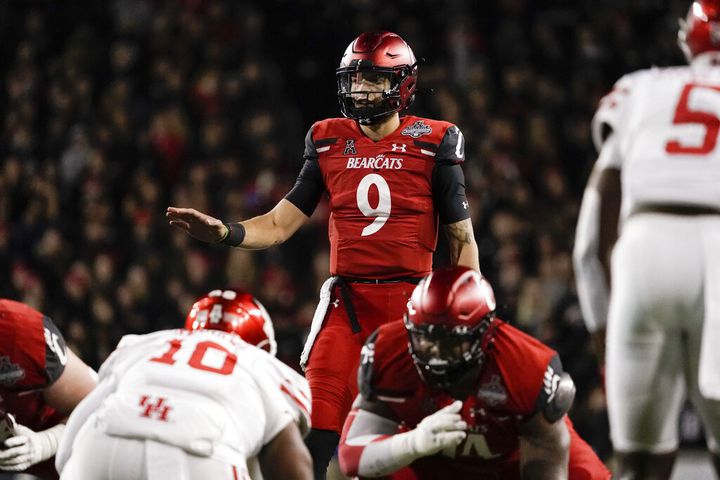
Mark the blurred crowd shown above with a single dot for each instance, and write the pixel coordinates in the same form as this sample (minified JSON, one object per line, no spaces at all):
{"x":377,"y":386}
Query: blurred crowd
{"x":114,"y":110}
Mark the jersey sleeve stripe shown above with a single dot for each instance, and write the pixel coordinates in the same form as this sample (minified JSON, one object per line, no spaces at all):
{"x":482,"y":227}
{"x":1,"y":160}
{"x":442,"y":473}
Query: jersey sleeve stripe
{"x":299,"y":402}
{"x":426,"y":145}
{"x":324,"y":142}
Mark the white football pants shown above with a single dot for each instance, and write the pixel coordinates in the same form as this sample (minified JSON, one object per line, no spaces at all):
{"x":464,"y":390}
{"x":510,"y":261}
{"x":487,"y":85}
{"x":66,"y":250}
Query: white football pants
{"x":665,"y":298}
{"x":98,"y":456}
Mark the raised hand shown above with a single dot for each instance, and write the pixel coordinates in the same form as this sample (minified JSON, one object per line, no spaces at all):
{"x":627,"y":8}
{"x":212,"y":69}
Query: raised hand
{"x":197,"y":224}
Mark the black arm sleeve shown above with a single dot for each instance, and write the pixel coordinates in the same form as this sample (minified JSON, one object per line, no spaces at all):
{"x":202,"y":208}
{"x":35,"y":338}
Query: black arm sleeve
{"x":55,"y":351}
{"x":452,"y":147}
{"x":309,"y":185}
{"x":308,"y":188}
{"x":448,"y":187}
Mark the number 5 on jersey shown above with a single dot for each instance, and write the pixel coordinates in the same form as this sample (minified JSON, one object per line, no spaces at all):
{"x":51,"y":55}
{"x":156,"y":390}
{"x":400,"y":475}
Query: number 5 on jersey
{"x":381,"y":211}
{"x":698,"y":105}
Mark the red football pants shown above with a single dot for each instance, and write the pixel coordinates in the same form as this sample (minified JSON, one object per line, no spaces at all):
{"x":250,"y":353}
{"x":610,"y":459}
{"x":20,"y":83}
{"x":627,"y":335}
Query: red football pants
{"x":332,"y":366}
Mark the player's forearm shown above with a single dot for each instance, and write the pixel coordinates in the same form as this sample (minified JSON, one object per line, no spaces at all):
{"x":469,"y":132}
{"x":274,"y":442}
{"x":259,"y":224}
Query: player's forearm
{"x":462,"y":245}
{"x":371,"y":447}
{"x":543,"y":469}
{"x":372,"y":456}
{"x":468,"y":256}
{"x":544,"y":455}
{"x":590,"y":276}
{"x":262,"y":232}
{"x":366,"y":446}
{"x":272,"y":228}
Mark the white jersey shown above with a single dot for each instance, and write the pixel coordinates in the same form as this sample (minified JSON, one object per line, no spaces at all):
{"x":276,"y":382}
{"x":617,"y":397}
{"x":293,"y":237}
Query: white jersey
{"x":666,"y":125}
{"x":206,"y":392}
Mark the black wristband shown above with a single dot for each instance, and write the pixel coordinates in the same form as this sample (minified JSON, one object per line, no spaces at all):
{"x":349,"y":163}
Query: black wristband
{"x":235,"y":235}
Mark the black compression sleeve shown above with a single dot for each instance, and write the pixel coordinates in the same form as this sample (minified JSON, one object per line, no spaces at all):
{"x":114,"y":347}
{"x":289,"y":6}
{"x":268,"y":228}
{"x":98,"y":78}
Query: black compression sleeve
{"x":448,"y":187}
{"x":308,"y":188}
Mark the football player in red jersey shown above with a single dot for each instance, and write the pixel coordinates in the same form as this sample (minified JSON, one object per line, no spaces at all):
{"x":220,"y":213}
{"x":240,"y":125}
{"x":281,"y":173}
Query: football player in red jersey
{"x":476,"y":398}
{"x":41,"y":382}
{"x":391,"y":181}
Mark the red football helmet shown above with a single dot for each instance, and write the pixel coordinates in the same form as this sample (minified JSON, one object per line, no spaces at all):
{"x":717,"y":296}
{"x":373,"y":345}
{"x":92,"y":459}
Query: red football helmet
{"x":448,"y":316}
{"x":375,"y":56}
{"x":700,"y":31}
{"x":236,"y":312}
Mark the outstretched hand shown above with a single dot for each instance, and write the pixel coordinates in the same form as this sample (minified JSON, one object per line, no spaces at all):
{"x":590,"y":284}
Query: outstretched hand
{"x":197,"y":224}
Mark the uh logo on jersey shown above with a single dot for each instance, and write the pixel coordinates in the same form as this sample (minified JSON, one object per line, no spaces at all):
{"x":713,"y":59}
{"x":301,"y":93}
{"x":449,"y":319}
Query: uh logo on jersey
{"x":155,"y":408}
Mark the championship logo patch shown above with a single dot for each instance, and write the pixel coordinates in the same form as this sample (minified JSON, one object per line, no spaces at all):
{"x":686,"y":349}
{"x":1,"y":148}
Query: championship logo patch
{"x":349,"y":147}
{"x":417,"y":129}
{"x":10,"y":373}
{"x":493,"y":392}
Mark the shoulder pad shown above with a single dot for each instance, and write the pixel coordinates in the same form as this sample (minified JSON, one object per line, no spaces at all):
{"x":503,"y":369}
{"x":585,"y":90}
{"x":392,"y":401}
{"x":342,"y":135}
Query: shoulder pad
{"x":310,"y":150}
{"x":332,"y":129}
{"x":55,"y":351}
{"x":610,"y":112}
{"x":365,"y":370}
{"x":129,"y":340}
{"x":560,"y":404}
{"x":557,"y":393}
{"x":452,"y":147}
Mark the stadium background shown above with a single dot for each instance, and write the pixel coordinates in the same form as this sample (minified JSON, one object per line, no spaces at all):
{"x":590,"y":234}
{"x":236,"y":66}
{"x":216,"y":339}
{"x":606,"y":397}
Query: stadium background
{"x":113,"y":110}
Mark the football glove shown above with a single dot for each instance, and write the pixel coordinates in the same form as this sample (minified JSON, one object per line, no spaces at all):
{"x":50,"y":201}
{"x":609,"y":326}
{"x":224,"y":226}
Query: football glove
{"x":26,"y":447}
{"x":442,"y":429}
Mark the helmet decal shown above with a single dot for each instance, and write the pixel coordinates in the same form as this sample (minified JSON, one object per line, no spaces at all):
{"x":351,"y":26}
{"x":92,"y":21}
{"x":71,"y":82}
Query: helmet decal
{"x":237,"y":312}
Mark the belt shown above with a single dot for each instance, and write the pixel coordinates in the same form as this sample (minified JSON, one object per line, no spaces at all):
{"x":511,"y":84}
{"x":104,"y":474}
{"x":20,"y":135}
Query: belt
{"x":343,"y":282}
{"x":380,"y":281}
{"x":676,"y":209}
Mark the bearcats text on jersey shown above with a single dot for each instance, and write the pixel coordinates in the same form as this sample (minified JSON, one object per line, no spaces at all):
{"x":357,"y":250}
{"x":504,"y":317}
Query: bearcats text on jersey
{"x":380,"y":162}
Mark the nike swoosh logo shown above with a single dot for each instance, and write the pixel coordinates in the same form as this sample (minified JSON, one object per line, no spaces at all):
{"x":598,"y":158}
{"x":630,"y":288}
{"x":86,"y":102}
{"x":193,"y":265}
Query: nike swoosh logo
{"x":392,"y":55}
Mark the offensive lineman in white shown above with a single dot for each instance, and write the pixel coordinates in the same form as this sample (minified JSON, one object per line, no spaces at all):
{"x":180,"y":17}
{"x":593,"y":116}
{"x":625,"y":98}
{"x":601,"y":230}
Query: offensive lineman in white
{"x":193,"y":404}
{"x":656,"y":190}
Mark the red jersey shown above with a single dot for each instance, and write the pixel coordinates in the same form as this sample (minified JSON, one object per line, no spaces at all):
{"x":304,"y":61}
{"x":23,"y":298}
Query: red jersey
{"x":514,"y":384}
{"x":32,"y":357}
{"x":384,"y":217}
